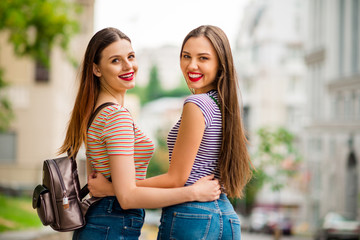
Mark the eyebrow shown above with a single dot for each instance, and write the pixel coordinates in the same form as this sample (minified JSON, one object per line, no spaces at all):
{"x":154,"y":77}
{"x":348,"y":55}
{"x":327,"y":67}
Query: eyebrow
{"x":115,"y":56}
{"x":205,"y":53}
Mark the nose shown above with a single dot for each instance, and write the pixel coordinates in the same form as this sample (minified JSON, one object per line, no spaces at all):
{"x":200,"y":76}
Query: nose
{"x":193,"y":64}
{"x":127,"y":65}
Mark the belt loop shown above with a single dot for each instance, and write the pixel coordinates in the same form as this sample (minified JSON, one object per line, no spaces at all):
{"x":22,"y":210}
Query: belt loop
{"x":111,"y":203}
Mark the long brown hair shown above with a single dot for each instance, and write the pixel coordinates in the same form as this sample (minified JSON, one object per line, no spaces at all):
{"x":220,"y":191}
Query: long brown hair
{"x":88,"y":90}
{"x":234,"y":160}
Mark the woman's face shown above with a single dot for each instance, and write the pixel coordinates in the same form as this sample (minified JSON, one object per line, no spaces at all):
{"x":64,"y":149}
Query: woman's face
{"x":199,"y":64}
{"x":117,"y":67}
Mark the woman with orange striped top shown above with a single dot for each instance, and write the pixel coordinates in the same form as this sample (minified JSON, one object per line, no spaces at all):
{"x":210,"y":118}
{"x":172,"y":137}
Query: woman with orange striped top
{"x":115,"y":146}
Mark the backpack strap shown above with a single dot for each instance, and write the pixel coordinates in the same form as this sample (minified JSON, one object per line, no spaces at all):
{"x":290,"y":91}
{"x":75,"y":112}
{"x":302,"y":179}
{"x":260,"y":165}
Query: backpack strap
{"x":98,"y":109}
{"x":91,"y":119}
{"x":84,"y":191}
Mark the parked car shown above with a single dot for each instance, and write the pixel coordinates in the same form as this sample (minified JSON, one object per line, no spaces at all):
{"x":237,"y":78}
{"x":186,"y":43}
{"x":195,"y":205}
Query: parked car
{"x":279,"y":221}
{"x":268,"y":220}
{"x":258,"y":221}
{"x":336,"y":226}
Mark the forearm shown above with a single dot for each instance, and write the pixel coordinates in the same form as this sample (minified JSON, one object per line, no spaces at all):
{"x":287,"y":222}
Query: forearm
{"x":146,"y":197}
{"x":162,"y":181}
{"x":106,"y":188}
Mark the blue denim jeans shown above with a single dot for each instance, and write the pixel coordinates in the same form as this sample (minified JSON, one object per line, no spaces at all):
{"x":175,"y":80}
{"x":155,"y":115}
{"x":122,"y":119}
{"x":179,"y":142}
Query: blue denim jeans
{"x":107,"y":220}
{"x":200,"y":220}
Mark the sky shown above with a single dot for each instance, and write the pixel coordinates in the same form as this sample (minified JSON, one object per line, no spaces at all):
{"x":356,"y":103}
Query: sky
{"x":154,"y":23}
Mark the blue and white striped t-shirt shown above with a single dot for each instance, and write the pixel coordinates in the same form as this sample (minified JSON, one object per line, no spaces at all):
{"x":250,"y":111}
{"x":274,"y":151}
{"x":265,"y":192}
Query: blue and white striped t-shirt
{"x":206,"y":161}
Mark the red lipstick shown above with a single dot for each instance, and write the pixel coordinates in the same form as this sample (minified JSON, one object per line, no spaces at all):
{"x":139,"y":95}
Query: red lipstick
{"x":194,"y":77}
{"x":127,"y":76}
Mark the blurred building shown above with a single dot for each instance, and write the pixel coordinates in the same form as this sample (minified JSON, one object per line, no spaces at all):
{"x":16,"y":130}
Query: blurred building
{"x":42,"y":101}
{"x":167,"y":60}
{"x":271,"y":69}
{"x":332,"y":142}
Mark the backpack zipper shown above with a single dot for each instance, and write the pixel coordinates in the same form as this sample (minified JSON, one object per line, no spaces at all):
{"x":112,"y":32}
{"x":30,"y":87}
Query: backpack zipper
{"x":65,"y":199}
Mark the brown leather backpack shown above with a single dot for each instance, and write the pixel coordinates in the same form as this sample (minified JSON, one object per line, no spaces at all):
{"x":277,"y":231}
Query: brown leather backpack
{"x":59,"y":201}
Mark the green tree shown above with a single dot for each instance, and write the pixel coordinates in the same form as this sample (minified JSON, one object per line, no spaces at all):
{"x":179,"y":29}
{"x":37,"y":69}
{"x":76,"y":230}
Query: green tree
{"x":154,"y":89}
{"x":34,"y":27}
{"x":180,"y":91}
{"x":159,"y":163}
{"x":278,"y":157}
{"x":6,"y":112}
{"x":279,"y":160}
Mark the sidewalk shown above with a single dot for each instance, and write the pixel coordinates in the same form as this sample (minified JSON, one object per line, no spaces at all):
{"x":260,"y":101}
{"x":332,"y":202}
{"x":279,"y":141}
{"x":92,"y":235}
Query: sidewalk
{"x":44,"y":233}
{"x":148,"y":232}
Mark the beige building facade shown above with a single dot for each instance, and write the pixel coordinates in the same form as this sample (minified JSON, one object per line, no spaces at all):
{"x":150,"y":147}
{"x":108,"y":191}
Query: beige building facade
{"x":42,"y":106}
{"x":332,"y":133}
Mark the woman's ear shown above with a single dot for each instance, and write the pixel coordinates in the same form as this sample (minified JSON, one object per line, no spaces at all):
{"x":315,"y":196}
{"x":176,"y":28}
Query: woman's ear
{"x":96,"y":70}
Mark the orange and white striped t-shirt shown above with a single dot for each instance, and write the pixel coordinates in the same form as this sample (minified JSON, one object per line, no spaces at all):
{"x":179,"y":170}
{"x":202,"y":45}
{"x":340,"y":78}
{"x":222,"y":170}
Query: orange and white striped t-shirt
{"x":113,"y":132}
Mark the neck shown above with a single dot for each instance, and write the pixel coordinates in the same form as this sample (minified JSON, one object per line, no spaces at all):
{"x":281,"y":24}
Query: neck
{"x":106,"y":95}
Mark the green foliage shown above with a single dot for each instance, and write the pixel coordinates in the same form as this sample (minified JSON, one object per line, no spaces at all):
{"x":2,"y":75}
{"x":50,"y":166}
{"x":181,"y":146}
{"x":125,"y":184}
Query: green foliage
{"x":153,"y":89}
{"x":277,"y":155}
{"x":245,"y":204}
{"x":179,"y":91}
{"x":17,"y":213}
{"x":160,"y":161}
{"x":34,"y":26}
{"x":6,"y":112}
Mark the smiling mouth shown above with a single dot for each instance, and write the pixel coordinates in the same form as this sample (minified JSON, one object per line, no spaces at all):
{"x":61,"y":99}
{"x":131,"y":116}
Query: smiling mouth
{"x":127,"y":76}
{"x":194,"y":77}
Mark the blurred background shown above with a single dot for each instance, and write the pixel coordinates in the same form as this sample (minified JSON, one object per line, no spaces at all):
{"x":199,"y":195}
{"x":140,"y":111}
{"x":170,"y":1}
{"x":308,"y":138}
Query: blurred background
{"x":298,"y":65}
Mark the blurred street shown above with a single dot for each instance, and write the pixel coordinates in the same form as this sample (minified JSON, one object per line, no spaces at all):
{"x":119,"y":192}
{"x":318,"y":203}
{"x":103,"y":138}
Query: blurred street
{"x":150,"y":233}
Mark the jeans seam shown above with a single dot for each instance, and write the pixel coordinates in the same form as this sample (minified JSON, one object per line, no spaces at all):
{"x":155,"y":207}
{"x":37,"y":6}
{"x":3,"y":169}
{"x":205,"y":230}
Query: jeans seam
{"x":232,"y":221}
{"x":220,"y":218}
{"x":111,"y":203}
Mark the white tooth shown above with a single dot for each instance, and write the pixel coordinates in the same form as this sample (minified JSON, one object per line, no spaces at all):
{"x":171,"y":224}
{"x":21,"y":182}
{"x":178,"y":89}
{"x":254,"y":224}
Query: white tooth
{"x":195,"y":75}
{"x":126,"y":76}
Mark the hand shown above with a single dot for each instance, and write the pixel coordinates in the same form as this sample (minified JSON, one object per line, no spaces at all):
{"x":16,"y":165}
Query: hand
{"x":206,"y":189}
{"x":99,"y":186}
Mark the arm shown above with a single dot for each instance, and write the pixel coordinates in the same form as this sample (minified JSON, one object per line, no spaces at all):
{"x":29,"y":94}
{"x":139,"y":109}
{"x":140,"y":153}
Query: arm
{"x":88,"y":168}
{"x":131,"y":196}
{"x":187,"y":144}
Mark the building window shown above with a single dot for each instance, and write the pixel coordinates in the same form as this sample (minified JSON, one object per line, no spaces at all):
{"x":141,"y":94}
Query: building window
{"x":341,"y":36}
{"x":339,"y":107}
{"x":7,"y":147}
{"x":358,"y":106}
{"x":347,"y":107}
{"x":41,"y":73}
{"x":355,"y":36}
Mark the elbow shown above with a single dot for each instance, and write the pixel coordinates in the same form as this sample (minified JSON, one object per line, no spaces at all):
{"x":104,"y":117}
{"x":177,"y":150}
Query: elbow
{"x":126,"y":199}
{"x":179,"y":183}
{"x":125,"y":202}
{"x":175,"y":182}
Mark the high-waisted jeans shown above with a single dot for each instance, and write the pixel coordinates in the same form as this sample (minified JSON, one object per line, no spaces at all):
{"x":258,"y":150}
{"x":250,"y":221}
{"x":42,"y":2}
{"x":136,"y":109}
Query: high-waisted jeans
{"x":200,"y":220}
{"x":107,"y":220}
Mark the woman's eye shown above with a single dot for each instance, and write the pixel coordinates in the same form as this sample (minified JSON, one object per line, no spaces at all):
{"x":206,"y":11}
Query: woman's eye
{"x":115,"y":60}
{"x":132,"y":56}
{"x":186,"y":56}
{"x":204,"y":58}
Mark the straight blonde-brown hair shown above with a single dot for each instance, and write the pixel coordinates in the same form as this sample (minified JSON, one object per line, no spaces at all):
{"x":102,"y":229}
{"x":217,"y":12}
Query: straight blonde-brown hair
{"x":234,"y":160}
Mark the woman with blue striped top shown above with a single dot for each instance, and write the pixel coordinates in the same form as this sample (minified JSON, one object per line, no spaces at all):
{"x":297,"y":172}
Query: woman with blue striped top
{"x":208,"y":139}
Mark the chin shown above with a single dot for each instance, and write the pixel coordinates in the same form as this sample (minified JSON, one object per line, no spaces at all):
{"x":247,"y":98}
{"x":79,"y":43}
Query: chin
{"x":131,"y":85}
